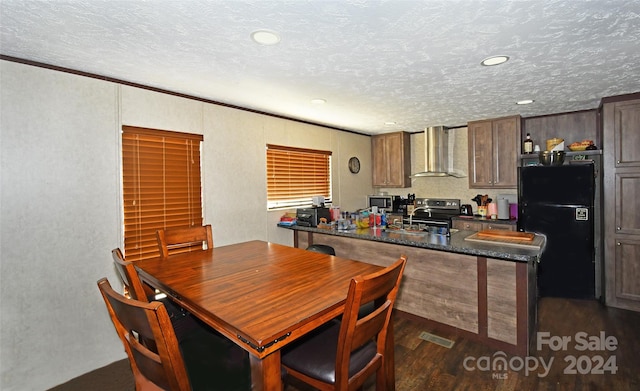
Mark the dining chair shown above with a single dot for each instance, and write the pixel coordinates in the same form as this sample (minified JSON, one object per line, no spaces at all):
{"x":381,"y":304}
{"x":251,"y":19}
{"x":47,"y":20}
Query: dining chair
{"x":133,"y":286}
{"x":342,"y":355}
{"x":161,"y":367}
{"x":181,"y":238}
{"x":161,"y":362}
{"x":183,"y":322}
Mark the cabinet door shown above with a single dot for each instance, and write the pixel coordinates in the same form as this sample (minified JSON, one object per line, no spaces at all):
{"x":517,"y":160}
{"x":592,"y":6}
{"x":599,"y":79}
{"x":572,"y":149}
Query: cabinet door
{"x":379,"y":161}
{"x":505,"y":152}
{"x":627,"y":133}
{"x":480,"y":154}
{"x":627,"y":275}
{"x":396,"y":158}
{"x":391,"y":159}
{"x":627,"y":219}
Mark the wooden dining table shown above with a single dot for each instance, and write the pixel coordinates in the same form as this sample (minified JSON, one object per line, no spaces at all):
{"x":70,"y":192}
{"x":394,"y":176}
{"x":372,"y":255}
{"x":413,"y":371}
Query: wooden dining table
{"x":260,"y":295}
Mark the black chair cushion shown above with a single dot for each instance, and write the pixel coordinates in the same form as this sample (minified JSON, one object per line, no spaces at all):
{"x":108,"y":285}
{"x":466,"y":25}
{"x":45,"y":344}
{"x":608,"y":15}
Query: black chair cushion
{"x":315,"y":356}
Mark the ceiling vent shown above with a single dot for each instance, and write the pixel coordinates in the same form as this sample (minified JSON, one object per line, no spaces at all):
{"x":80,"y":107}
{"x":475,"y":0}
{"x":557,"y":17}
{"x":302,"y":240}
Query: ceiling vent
{"x":437,"y":155}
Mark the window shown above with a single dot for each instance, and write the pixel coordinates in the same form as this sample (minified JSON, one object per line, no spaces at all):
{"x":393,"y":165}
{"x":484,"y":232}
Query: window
{"x":294,"y":175}
{"x":161,"y":186}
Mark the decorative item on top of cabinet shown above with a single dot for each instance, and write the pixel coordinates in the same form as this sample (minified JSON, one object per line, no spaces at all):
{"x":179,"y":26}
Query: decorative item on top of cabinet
{"x":494,"y":148}
{"x":391,"y":157}
{"x":621,"y":169}
{"x":573,"y":126}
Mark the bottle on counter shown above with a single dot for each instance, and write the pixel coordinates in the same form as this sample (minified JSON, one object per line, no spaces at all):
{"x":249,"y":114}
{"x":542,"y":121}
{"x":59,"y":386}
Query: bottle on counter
{"x":527,"y":146}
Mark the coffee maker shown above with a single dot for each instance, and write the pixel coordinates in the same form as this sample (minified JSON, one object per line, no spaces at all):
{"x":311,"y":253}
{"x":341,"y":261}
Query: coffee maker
{"x":400,"y":204}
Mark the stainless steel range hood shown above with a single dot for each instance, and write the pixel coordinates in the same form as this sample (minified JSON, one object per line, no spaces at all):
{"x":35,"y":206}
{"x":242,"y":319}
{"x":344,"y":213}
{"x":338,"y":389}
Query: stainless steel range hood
{"x":436,"y":154}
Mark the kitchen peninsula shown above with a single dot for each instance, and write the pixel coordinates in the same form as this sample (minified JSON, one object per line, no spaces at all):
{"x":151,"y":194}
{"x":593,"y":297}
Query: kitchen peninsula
{"x":484,"y":292}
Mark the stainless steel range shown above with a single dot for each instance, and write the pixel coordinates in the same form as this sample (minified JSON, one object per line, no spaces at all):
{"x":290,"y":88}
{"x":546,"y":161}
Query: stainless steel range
{"x":432,"y":214}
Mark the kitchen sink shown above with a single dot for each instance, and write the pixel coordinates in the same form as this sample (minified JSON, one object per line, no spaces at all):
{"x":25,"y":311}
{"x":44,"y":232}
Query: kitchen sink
{"x":408,"y":232}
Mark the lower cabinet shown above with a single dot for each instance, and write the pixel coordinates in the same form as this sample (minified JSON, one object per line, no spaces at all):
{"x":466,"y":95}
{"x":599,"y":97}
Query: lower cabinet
{"x":444,"y":289}
{"x":627,"y":273}
{"x":501,"y":302}
{"x":474,"y":225}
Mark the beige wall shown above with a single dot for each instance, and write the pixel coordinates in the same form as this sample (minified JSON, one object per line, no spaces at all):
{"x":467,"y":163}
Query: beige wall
{"x":61,"y":214}
{"x":60,"y":204}
{"x":59,"y":218}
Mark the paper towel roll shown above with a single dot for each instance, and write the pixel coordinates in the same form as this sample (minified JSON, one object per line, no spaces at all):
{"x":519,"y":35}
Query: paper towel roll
{"x":492,"y":210}
{"x":503,"y":209}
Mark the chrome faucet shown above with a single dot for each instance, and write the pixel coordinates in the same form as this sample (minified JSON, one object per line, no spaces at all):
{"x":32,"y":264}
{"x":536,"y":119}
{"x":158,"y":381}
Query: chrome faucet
{"x":414,"y":212}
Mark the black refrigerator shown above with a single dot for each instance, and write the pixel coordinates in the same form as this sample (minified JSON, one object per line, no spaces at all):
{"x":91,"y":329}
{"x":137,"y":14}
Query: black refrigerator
{"x":558,"y":201}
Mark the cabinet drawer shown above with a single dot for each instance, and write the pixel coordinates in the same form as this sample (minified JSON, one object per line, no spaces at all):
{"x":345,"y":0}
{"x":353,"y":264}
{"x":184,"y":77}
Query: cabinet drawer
{"x":508,"y":227}
{"x":467,"y":225}
{"x":481,"y":225}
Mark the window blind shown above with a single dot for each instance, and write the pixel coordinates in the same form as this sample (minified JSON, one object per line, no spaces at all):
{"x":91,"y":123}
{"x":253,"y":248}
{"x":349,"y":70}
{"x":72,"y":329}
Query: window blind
{"x":161,"y":186}
{"x":294,"y":175}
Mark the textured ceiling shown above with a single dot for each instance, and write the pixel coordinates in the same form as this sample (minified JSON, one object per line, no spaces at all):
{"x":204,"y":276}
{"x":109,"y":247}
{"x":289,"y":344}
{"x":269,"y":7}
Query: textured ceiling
{"x":413,"y":62}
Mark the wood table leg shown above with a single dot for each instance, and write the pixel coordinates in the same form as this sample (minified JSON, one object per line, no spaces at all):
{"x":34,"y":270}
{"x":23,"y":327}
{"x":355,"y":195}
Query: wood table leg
{"x":265,"y":372}
{"x":390,"y":359}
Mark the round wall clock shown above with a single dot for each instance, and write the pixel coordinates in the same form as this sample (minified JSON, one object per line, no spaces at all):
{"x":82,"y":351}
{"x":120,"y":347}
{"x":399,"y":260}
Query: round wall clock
{"x":354,"y":165}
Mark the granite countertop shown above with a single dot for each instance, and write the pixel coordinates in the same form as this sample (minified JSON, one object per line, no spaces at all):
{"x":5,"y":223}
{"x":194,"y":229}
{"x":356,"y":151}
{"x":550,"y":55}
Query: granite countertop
{"x":454,"y":244}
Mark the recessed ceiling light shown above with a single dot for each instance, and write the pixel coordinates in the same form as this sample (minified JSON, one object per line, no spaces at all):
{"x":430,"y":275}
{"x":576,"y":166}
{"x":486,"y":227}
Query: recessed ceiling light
{"x":318,"y":101}
{"x":525,"y":102}
{"x":494,"y":60}
{"x":389,"y":123}
{"x":265,"y":37}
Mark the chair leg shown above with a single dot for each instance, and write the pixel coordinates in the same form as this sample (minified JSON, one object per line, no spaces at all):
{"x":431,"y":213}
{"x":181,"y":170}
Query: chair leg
{"x":381,"y":379}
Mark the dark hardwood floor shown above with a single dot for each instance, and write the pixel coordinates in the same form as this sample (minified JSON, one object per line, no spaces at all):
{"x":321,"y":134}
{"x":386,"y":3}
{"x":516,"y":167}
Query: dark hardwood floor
{"x":422,"y":365}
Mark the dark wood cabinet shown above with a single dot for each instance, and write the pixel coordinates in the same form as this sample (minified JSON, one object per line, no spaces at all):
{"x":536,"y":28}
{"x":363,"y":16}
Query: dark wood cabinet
{"x":572,"y":127}
{"x":391,"y":156}
{"x":493,"y":152}
{"x":621,"y":166}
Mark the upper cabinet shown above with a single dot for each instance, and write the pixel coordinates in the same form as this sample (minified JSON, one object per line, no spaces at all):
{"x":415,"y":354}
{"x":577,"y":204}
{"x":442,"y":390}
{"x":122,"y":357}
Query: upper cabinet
{"x":494,"y":147}
{"x":391,"y":157}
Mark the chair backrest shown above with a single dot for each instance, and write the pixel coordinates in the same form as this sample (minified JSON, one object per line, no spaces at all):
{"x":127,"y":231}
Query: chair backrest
{"x":381,"y":288}
{"x":134,"y":288}
{"x":175,"y":238}
{"x":157,"y":366}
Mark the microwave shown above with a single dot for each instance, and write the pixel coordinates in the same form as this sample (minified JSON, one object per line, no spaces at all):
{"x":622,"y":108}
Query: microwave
{"x":381,"y":201}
